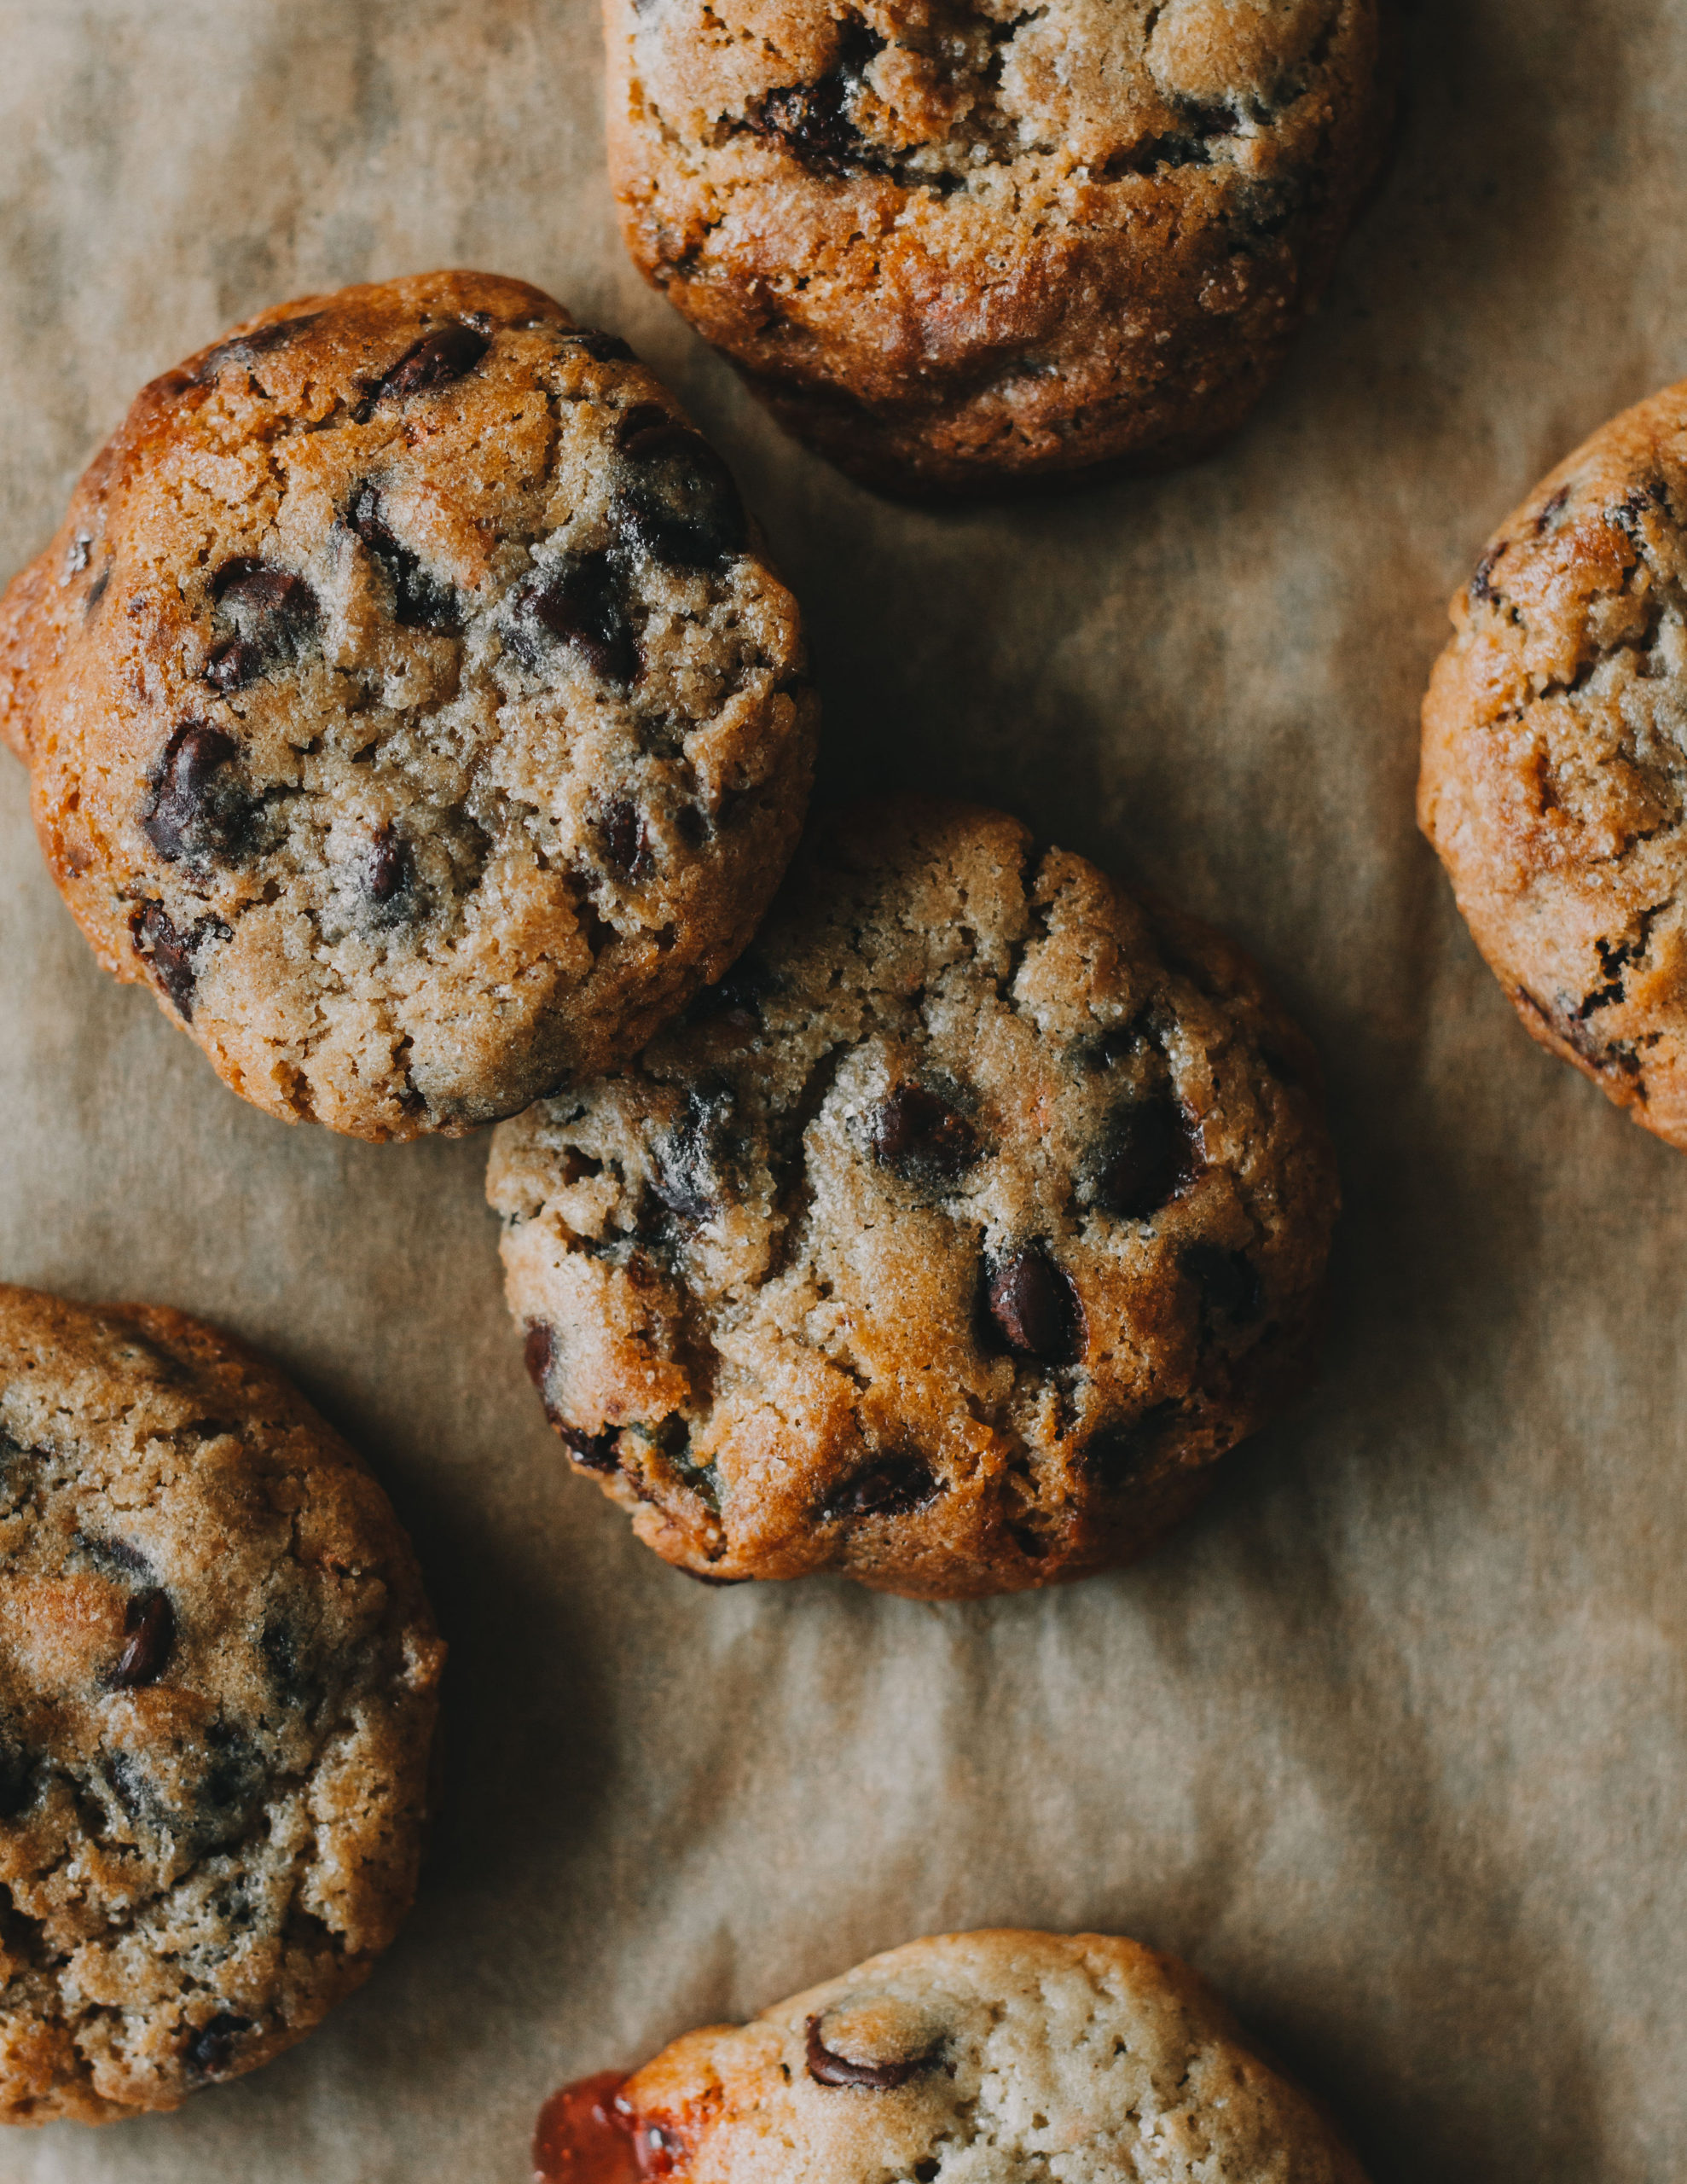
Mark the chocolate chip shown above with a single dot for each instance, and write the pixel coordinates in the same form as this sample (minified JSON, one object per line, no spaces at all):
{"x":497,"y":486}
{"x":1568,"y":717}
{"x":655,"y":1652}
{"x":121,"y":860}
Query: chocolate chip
{"x":680,"y":504}
{"x":245,"y":346}
{"x":828,"y":2067}
{"x":421,"y":602}
{"x":189,"y":812}
{"x":1147,"y":1157}
{"x":591,"y":1451}
{"x":211,"y":2052}
{"x":274,"y":612}
{"x":812,"y":120}
{"x":735,"y":999}
{"x":130,"y":1786}
{"x":278,"y":1642}
{"x":434,"y":362}
{"x":168,"y":954}
{"x":538,"y":1353}
{"x":234,"y":1771}
{"x":601,"y":348}
{"x":1119,"y":1453}
{"x":114,"y":1556}
{"x":386,"y":869}
{"x":916,"y":1132}
{"x":17,"y":1772}
{"x":689,"y":1179}
{"x":1034,"y":1306}
{"x":1229,"y":1283}
{"x":627,"y":847}
{"x":582,"y":605}
{"x":1481,"y":585}
{"x":149,"y":1624}
{"x":890,"y":1487}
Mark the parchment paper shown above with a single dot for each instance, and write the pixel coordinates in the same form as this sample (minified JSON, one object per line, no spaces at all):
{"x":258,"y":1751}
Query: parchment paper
{"x":1391,"y":1741}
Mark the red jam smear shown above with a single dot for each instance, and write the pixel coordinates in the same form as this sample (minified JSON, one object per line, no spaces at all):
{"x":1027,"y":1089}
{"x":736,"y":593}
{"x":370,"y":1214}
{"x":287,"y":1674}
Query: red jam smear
{"x":582,"y":2137}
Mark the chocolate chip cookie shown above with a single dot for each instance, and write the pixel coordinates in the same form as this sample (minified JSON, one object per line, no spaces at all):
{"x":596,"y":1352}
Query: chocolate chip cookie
{"x":948,"y":1242}
{"x":408,"y":701}
{"x":218,"y":1677}
{"x":1553,"y":782}
{"x":961,"y":244}
{"x":984,"y":2055}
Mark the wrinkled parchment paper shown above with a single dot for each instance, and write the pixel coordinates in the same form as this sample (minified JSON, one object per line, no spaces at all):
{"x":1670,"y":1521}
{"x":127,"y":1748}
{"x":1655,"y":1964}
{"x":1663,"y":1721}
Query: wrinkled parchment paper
{"x":1391,"y":1741}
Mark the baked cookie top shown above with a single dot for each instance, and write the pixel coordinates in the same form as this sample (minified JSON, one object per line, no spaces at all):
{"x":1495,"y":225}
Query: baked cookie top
{"x":408,"y":697}
{"x":959,"y":240}
{"x":1011,"y":2057}
{"x":961,"y":1227}
{"x":217,"y":1680}
{"x":1555,"y":760}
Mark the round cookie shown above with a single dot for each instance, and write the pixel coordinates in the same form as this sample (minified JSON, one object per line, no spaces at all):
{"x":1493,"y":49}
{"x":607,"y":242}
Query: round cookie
{"x":998,"y":2055}
{"x":958,"y":245}
{"x":217,"y":1693}
{"x":1552,"y":783}
{"x":408,"y":699}
{"x":948,"y":1242}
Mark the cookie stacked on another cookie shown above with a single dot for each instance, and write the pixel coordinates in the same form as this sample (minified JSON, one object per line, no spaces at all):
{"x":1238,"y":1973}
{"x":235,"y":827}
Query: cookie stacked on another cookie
{"x":217,"y":1691}
{"x":409,"y":699}
{"x":993,"y":2055}
{"x":961,"y":244}
{"x":947,"y":1243}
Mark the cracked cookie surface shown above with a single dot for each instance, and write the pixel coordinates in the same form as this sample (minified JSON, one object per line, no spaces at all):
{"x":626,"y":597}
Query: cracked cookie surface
{"x":407,"y":700}
{"x":1005,"y":2056}
{"x":1554,"y":783}
{"x":217,"y":1693}
{"x":950,"y":1241}
{"x":958,"y":244}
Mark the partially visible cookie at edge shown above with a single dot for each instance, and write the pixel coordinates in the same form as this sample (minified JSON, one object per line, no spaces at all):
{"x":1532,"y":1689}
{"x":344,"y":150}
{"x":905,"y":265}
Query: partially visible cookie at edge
{"x":963,"y":245}
{"x":998,"y":2054}
{"x":410,"y":702}
{"x":948,"y":1242}
{"x":1553,"y":785}
{"x":219,"y":1678}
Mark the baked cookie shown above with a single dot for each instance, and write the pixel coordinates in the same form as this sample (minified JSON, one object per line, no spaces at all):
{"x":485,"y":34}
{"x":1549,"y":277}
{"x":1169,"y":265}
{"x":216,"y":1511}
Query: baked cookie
{"x":961,"y":1227}
{"x":961,"y":244}
{"x":1553,"y":785}
{"x":218,"y":1677}
{"x":408,"y":699}
{"x":967,"y":2057}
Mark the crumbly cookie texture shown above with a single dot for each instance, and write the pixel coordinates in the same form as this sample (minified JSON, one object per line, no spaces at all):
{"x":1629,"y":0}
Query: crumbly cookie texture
{"x":994,"y":2057}
{"x":957,"y":1232}
{"x":408,"y":699}
{"x":217,"y":1691}
{"x":1555,"y":757}
{"x":957,"y":244}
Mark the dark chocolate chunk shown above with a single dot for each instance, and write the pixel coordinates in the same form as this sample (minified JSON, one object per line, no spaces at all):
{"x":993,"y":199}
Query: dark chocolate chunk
{"x":168,"y":954}
{"x":1146,"y":1158}
{"x":273,"y":611}
{"x":690,"y":1178}
{"x":627,"y":847}
{"x":889,"y":1487}
{"x":812,"y":120}
{"x":234,"y":1770}
{"x":591,"y":1451}
{"x":1228,"y":1282}
{"x":211,"y":2052}
{"x":387,"y":869}
{"x":149,"y":1625}
{"x":245,"y":346}
{"x":278,"y":1642}
{"x":191,"y":812}
{"x":736,"y":999}
{"x":828,"y":2067}
{"x":434,"y":362}
{"x":679,"y":503}
{"x":601,"y":348}
{"x":917,"y":1133}
{"x":1119,"y":1453}
{"x":421,"y":602}
{"x":580,"y":604}
{"x":1034,"y":1306}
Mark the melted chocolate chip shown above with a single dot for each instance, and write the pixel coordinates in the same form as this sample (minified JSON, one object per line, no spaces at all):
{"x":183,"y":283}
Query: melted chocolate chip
{"x":434,"y":362}
{"x":828,"y":2067}
{"x":1228,"y":1282}
{"x":168,"y":954}
{"x":149,"y":1625}
{"x":689,"y":1179}
{"x":890,"y":1487}
{"x":812,"y":120}
{"x":538,"y":1353}
{"x":679,"y":505}
{"x":274,"y":612}
{"x":386,"y":869}
{"x":1147,"y":1157}
{"x":1034,"y":1306}
{"x":601,"y":348}
{"x":421,"y":602}
{"x":245,"y":346}
{"x":627,"y":847}
{"x":582,"y":605}
{"x":917,"y":1133}
{"x":591,"y":1451}
{"x":211,"y":2052}
{"x":278,"y":1642}
{"x":191,"y":812}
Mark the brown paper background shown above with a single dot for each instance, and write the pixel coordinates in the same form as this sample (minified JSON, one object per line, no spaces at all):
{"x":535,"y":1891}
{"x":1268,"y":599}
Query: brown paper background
{"x":1390,"y":1740}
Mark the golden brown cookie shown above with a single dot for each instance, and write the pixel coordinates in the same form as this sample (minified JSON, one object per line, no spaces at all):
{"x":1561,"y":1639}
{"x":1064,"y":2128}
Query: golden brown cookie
{"x":1554,"y":735}
{"x":217,"y":1691}
{"x":993,"y":2057}
{"x":408,"y":699}
{"x":957,"y":1231}
{"x":958,"y":245}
